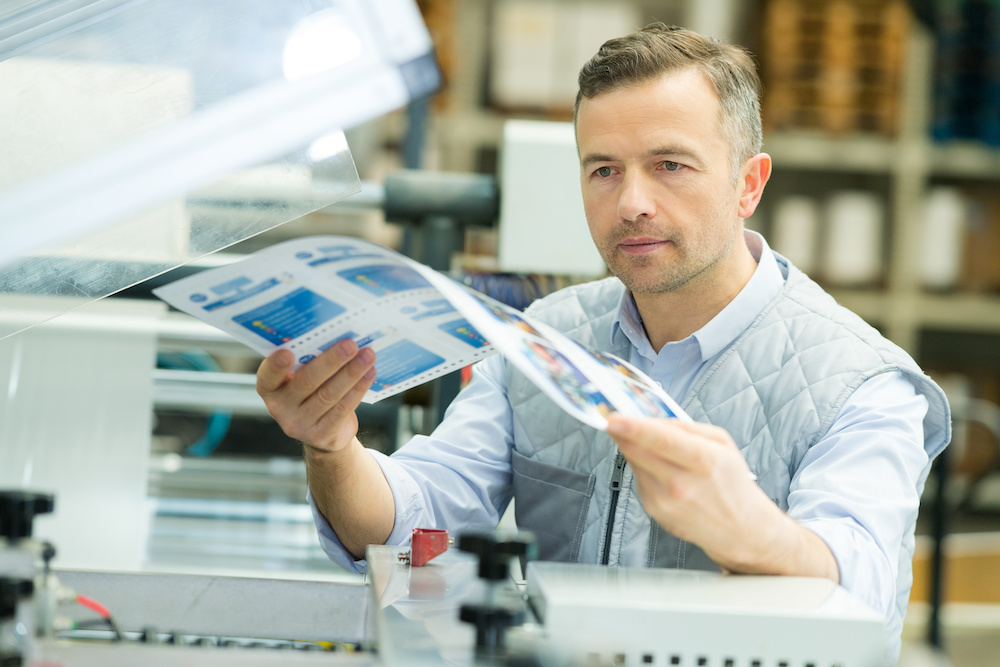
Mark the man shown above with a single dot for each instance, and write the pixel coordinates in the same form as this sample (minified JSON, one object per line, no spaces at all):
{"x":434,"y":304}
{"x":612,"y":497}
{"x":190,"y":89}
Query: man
{"x":838,"y":425}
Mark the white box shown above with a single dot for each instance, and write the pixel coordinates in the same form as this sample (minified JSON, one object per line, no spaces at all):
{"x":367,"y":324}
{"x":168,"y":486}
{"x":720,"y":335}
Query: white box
{"x":539,"y":46}
{"x":543,"y":228}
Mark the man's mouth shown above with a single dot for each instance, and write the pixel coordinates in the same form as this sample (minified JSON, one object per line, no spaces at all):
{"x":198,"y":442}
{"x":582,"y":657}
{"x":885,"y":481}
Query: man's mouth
{"x":641,"y":245}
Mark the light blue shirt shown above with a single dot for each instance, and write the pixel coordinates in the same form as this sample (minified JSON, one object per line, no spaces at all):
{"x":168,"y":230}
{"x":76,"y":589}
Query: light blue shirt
{"x":857,"y":488}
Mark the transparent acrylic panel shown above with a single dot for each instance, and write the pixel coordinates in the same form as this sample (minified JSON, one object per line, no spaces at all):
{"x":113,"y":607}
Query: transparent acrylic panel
{"x":142,"y":134}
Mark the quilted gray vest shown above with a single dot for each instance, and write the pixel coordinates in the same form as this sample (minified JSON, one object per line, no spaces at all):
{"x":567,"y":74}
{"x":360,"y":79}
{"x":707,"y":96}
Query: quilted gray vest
{"x":776,"y":389}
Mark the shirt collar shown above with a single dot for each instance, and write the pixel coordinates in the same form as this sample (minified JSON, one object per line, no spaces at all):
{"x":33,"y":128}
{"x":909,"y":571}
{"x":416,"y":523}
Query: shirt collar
{"x":764,"y":285}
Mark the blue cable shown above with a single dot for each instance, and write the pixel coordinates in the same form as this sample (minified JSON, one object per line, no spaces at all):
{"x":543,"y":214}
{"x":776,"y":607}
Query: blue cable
{"x":220,"y":420}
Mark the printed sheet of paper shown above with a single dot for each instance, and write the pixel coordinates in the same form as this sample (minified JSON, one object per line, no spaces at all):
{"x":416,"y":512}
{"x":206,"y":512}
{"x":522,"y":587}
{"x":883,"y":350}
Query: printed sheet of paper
{"x":307,"y":294}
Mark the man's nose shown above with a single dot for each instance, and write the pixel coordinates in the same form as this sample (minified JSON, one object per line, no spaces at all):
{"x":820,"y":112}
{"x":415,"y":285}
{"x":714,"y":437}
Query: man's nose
{"x":636,"y":199}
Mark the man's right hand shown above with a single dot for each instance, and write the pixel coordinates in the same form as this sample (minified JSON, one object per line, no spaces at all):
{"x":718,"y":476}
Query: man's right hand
{"x":317,"y":403}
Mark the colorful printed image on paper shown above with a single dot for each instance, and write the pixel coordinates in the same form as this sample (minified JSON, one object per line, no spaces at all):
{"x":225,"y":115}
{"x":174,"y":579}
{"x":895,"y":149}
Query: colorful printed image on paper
{"x":401,"y":361}
{"x":567,"y":378}
{"x":465,"y":332}
{"x":507,"y":315}
{"x":383,"y":279}
{"x":290,"y":316}
{"x":636,"y":386}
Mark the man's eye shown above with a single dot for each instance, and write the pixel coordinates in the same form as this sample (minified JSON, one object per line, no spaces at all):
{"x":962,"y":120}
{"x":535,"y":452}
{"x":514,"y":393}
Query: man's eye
{"x":604,"y":172}
{"x":671,"y":166}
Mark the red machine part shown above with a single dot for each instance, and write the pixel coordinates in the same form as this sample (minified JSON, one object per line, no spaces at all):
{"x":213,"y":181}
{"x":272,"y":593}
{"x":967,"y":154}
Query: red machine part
{"x":426,"y":544}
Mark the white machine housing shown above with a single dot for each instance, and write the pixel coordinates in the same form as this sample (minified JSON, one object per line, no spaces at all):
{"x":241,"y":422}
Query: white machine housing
{"x":632,"y":616}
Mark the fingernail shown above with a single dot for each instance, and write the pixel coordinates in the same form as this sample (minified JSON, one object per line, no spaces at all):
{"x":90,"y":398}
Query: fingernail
{"x":366,"y":355}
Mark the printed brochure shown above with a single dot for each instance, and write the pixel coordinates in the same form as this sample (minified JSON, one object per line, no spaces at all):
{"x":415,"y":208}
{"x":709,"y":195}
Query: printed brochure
{"x":307,"y":294}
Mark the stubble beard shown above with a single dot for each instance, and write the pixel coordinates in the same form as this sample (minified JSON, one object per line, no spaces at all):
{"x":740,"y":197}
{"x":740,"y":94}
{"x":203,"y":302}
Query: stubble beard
{"x":648,"y":274}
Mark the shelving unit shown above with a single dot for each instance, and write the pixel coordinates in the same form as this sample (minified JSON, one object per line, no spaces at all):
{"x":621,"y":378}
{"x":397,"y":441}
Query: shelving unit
{"x":903,"y":308}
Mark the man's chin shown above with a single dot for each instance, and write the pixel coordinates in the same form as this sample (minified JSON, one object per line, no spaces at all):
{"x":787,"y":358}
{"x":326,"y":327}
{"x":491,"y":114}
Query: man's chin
{"x":648,"y":284}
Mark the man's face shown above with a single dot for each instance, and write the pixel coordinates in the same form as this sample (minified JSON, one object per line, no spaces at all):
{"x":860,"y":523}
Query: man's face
{"x":657,"y":188}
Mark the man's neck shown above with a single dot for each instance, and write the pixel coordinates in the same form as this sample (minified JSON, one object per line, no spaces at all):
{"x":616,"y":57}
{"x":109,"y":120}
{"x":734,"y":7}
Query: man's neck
{"x":673,"y":316}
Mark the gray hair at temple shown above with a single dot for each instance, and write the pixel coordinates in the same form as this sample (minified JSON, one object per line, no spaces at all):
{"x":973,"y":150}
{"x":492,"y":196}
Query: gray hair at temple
{"x":658,"y":49}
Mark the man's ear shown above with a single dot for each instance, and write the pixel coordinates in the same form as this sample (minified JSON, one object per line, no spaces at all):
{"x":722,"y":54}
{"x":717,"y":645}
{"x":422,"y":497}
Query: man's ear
{"x":753,"y":178}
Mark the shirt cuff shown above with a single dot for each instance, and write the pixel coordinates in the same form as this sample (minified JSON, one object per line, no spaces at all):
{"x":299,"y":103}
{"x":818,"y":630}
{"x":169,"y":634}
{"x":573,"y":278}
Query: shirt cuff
{"x":409,"y":505}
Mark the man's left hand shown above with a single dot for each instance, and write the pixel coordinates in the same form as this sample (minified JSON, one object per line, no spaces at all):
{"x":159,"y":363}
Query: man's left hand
{"x":693,"y":481}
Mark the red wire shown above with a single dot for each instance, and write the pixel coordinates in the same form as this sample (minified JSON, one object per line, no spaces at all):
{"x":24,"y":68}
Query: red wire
{"x":93,"y":604}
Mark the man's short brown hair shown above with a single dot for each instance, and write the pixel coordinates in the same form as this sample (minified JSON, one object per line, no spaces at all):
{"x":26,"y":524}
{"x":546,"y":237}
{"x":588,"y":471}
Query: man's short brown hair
{"x":658,"y":49}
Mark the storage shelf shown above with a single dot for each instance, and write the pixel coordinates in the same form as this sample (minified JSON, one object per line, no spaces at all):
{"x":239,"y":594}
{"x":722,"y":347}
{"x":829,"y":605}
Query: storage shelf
{"x":880,"y":155}
{"x":950,"y":312}
{"x":816,"y":151}
{"x":965,"y":159}
{"x":961,"y":312}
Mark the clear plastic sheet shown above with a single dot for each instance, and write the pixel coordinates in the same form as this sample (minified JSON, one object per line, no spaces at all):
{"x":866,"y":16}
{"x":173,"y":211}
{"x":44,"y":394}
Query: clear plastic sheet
{"x":142,"y":134}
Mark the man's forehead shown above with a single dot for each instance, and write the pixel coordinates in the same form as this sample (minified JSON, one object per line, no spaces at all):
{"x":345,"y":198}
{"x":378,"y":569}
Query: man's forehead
{"x":678,"y":99}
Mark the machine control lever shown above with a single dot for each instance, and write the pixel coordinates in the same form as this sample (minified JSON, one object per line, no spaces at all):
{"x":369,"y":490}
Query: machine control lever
{"x":495,"y":551}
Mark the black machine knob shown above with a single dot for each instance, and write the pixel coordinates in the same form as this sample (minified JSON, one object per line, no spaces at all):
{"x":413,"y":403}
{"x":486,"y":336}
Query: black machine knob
{"x":18,"y":510}
{"x":11,"y":592}
{"x":495,"y":551}
{"x":492,"y":622}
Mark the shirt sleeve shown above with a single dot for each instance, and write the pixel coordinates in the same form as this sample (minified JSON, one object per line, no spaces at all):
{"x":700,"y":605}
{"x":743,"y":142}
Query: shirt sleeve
{"x":458,"y":477}
{"x":859,"y":487}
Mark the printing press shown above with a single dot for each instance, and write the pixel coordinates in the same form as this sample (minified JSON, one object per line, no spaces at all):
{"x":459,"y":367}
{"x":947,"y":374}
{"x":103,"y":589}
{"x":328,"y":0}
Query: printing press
{"x":427,"y":604}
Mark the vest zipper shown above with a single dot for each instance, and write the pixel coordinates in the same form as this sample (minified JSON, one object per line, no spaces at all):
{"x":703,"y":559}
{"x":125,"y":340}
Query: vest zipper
{"x":616,"y":486}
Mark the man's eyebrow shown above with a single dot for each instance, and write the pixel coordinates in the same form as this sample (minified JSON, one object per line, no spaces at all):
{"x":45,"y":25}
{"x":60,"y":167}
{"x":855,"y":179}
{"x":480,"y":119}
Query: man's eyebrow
{"x":591,"y":158}
{"x":678,"y":152}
